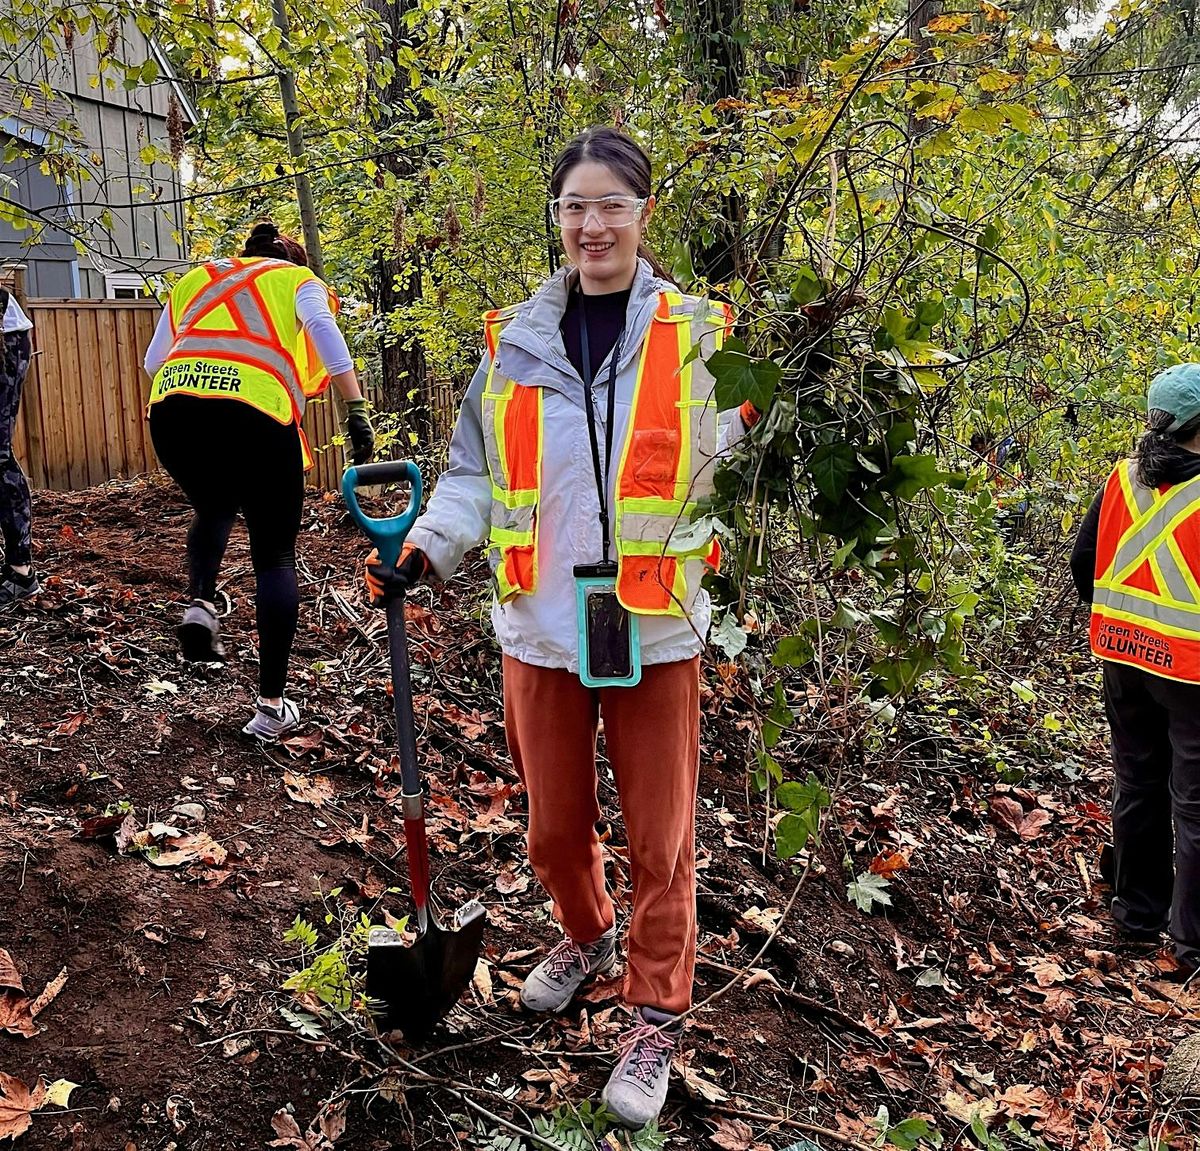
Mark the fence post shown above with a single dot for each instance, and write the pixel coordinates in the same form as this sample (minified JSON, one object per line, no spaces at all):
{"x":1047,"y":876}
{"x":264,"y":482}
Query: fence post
{"x":18,"y":271}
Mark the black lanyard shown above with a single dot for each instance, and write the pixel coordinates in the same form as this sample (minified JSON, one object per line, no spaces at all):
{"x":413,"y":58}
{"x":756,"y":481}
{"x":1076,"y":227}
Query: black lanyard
{"x":589,"y":406}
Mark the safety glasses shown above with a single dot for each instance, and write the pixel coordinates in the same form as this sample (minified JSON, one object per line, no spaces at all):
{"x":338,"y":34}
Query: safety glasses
{"x":610,"y":211}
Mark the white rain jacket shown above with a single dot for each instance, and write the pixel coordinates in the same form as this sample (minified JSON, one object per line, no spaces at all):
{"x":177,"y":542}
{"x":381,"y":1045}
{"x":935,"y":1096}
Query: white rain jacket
{"x":542,"y":628}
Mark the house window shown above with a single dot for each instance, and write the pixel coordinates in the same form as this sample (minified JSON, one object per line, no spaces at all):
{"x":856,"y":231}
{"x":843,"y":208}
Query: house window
{"x":126,"y":286}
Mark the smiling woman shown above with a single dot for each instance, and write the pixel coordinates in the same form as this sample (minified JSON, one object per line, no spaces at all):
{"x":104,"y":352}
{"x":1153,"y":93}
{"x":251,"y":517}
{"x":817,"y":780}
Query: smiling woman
{"x":586,"y":437}
{"x":602,"y":202}
{"x":597,"y":215}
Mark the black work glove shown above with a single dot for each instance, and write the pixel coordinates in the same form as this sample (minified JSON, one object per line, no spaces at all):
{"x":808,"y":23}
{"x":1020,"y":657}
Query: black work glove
{"x":357,"y":426}
{"x":385,"y":584}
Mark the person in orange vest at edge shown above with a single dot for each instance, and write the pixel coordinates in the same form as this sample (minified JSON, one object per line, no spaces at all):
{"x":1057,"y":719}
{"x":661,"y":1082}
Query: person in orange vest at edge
{"x":583,"y":442}
{"x":242,"y":346}
{"x":1136,"y":560}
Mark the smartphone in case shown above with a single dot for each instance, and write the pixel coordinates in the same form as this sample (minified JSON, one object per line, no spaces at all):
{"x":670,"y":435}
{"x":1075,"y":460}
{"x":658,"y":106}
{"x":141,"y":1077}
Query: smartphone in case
{"x":609,"y":645}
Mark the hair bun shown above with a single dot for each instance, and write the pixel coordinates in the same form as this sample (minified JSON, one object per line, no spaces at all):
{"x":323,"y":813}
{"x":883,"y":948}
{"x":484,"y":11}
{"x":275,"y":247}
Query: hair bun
{"x":266,"y":229}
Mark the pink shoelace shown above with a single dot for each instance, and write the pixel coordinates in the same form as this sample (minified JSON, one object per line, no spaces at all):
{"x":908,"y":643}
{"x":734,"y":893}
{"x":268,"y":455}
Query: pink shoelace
{"x":642,"y":1049}
{"x":563,"y":956}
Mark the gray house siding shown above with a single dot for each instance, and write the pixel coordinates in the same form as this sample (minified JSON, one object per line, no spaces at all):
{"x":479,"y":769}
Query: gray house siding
{"x":146,"y":233}
{"x":52,"y":267}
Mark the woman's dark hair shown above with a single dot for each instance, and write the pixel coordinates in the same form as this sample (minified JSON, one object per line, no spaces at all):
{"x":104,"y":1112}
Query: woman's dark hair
{"x":268,"y":241}
{"x":622,"y":156}
{"x":1160,"y":453}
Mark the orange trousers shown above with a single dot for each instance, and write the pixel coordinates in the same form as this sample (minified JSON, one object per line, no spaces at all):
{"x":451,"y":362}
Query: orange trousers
{"x":652,"y":734}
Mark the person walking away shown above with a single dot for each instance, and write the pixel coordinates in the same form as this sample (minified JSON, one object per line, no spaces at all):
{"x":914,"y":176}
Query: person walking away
{"x":1136,"y":561}
{"x":242,"y":346}
{"x":1006,"y":474}
{"x":18,"y":580}
{"x":585,"y":439}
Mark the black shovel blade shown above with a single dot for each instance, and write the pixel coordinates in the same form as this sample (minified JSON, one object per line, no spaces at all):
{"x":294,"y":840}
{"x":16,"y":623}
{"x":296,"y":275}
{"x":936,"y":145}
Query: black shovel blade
{"x":419,"y":982}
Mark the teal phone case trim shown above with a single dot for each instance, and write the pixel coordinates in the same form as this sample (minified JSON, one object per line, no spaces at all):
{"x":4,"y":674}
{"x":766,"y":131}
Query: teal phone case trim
{"x":583,"y":586}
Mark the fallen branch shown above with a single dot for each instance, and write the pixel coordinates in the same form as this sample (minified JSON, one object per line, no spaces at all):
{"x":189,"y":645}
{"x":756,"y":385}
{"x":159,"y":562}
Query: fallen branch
{"x":814,"y":1006}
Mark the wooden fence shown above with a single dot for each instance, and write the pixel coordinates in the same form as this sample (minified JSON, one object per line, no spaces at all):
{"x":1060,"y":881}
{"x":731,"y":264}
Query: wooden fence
{"x":82,"y":416}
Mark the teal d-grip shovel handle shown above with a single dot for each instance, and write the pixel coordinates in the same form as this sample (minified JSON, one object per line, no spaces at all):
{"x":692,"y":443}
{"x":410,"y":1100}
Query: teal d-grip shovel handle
{"x":387,"y":535}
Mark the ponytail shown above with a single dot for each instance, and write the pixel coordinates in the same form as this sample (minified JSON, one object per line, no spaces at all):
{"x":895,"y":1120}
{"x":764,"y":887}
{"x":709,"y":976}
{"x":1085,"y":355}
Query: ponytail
{"x":268,"y":242}
{"x":1160,"y":454}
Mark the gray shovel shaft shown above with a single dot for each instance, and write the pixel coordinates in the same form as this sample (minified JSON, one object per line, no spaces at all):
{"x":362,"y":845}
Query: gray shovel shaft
{"x":406,"y":747}
{"x":406,"y":736}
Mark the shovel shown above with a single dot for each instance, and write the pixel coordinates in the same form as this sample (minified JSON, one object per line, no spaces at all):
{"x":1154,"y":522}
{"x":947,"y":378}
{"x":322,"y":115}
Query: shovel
{"x":418,"y":982}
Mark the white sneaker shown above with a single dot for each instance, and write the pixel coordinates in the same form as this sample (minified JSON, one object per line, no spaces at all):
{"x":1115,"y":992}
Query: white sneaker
{"x":200,"y":634}
{"x":269,"y":723}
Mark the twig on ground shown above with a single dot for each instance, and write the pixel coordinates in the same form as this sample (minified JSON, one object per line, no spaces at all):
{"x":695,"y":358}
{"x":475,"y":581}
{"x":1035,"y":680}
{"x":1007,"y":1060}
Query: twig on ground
{"x":721,"y":991}
{"x":814,"y":1006}
{"x":797,"y":1124}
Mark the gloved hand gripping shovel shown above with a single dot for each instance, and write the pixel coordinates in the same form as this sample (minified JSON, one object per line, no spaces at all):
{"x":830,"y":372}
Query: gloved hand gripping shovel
{"x":421,"y":981}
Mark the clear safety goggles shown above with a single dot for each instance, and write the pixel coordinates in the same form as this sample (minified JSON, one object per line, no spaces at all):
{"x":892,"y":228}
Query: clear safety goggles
{"x":609,"y":211}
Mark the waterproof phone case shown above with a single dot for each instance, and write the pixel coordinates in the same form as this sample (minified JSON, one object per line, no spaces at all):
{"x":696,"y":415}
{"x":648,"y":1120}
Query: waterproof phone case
{"x":610,"y":652}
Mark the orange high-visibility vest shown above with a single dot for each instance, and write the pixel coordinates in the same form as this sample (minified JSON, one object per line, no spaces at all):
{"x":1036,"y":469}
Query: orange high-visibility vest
{"x":1146,"y":606}
{"x":665,"y":468}
{"x":236,"y":337}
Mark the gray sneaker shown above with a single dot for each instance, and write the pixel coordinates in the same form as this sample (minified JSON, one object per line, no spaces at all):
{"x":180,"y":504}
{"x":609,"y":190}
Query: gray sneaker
{"x":552,"y":984}
{"x":637,"y":1089}
{"x":200,"y":634}
{"x":269,"y":723}
{"x":14,"y":587}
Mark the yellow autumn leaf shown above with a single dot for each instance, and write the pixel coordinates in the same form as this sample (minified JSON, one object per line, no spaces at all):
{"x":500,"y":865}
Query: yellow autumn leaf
{"x":997,"y":80}
{"x":950,"y":22}
{"x":59,"y":1092}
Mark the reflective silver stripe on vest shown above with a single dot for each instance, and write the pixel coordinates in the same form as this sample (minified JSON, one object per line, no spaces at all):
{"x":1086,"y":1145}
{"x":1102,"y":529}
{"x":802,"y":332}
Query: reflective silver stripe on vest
{"x":214,"y":289}
{"x":1173,"y":577}
{"x":648,"y":528}
{"x":519,"y":519}
{"x":219,"y":346}
{"x":252,"y":314}
{"x":1150,"y":610}
{"x":1142,"y":535}
{"x":702,"y":421}
{"x":1142,"y":497}
{"x":492,"y":447}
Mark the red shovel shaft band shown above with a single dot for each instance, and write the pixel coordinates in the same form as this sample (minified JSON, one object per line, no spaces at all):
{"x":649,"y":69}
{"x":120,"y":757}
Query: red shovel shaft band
{"x":418,"y":864}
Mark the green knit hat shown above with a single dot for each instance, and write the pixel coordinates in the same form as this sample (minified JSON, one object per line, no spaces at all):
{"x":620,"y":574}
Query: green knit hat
{"x":1177,"y":391}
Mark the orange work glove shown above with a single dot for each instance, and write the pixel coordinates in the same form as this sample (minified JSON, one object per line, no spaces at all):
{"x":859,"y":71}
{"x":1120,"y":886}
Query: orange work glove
{"x":385,"y":584}
{"x":750,"y":414}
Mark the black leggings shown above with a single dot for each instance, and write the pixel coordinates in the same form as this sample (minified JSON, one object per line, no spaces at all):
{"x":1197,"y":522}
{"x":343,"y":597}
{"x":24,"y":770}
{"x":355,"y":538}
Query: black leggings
{"x":229,"y":457}
{"x":1155,"y":726}
{"x":14,"y":489}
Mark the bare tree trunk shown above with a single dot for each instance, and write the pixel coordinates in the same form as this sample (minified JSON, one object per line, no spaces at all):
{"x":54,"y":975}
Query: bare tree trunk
{"x":719,"y":66}
{"x":295,"y":139}
{"x":397,"y":282}
{"x":920,"y":12}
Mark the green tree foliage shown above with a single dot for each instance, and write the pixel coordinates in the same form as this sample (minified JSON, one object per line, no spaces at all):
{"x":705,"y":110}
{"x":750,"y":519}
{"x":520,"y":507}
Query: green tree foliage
{"x":931,"y":222}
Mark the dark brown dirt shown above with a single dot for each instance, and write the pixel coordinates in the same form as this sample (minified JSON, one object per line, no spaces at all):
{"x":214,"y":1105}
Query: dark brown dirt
{"x":993,"y":979}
